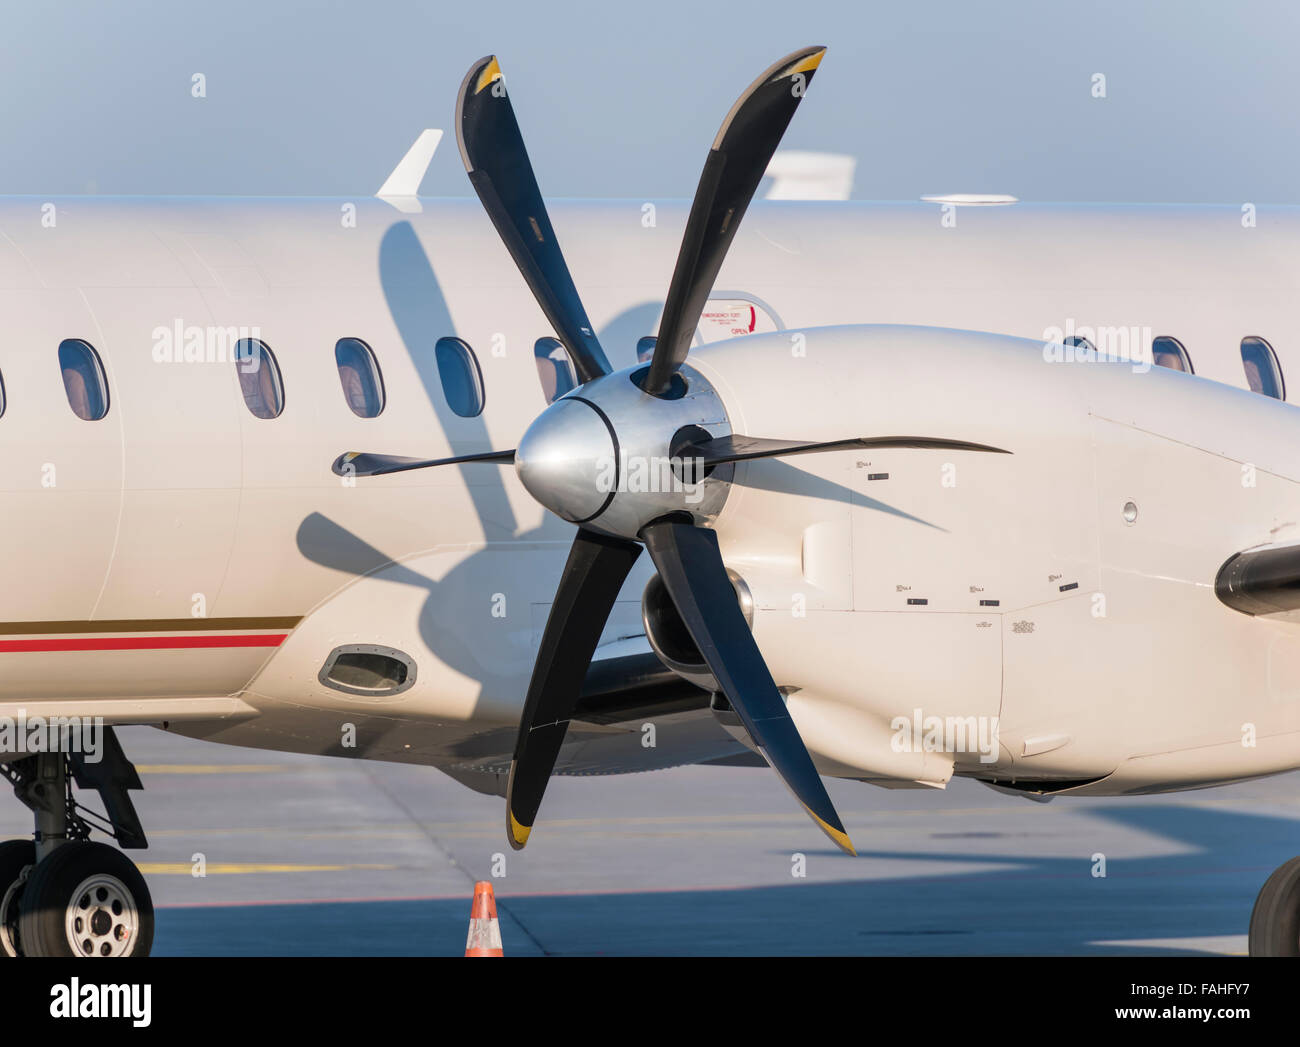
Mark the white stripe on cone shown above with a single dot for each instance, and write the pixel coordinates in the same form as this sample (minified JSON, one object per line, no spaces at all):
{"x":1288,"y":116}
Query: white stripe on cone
{"x":483,"y":934}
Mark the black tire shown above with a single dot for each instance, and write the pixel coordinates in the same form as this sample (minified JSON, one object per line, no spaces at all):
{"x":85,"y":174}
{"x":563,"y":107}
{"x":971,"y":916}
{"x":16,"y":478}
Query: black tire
{"x":1275,"y":920}
{"x":15,"y":856}
{"x":64,"y":912}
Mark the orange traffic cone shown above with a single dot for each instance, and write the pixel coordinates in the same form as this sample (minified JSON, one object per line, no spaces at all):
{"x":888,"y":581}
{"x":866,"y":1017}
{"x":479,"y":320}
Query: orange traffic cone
{"x":484,"y":931}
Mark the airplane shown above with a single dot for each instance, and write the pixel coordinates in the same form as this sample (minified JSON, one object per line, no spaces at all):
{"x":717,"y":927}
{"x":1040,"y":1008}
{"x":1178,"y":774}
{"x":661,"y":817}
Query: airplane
{"x":961,"y":487}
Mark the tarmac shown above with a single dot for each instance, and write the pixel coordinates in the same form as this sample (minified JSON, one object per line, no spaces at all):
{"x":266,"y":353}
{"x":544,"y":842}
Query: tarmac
{"x":305,"y":856}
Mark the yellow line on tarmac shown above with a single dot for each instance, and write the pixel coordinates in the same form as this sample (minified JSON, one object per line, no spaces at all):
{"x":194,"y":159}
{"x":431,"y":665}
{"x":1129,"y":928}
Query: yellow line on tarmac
{"x":230,"y":868}
{"x":413,"y":832}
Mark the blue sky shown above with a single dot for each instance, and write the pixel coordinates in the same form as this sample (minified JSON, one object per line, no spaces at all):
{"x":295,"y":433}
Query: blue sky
{"x":623,"y":100}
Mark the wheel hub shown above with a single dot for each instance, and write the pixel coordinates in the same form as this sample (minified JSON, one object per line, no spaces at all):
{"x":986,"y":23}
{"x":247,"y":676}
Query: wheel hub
{"x":102,"y":919}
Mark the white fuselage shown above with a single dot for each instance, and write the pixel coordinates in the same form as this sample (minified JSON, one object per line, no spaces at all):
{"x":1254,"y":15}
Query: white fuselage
{"x":1107,"y":656}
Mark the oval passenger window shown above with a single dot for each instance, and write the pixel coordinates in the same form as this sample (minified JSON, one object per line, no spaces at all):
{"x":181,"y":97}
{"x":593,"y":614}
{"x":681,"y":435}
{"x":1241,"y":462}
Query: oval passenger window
{"x":363,"y":384}
{"x":1263,"y":373}
{"x":1169,"y":352}
{"x":462,"y":381}
{"x":259,"y":378}
{"x":554,"y":368}
{"x":83,"y":379}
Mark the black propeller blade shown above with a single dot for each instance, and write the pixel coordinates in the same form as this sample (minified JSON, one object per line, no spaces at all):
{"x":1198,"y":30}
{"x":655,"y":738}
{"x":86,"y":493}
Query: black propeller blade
{"x":361,"y":463}
{"x":593,"y":575}
{"x":740,"y":154}
{"x":686,"y":556}
{"x":716,"y":451}
{"x":497,"y":161}
{"x":737,"y":448}
{"x":691,"y":567}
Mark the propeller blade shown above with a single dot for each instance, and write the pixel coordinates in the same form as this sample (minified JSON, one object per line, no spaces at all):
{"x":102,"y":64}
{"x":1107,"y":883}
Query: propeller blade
{"x":361,"y":463}
{"x":691,"y":567}
{"x":743,"y":448}
{"x":498,"y":166}
{"x":735,"y":166}
{"x":593,"y":576}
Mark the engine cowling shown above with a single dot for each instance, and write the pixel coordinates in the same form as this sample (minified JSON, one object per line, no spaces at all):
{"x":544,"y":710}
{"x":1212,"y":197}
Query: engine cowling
{"x":669,"y":638}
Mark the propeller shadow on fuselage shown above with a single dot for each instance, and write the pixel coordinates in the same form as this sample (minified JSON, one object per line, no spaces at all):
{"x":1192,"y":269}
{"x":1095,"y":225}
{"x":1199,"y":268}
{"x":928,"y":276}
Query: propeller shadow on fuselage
{"x":778,"y":477}
{"x":327,"y":543}
{"x":422,"y":315}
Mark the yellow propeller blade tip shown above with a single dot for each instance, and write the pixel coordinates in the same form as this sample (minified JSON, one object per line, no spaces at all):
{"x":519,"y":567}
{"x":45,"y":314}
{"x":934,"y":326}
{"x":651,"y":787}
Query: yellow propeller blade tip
{"x":518,"y":833}
{"x":490,"y":72}
{"x":805,"y":65}
{"x":838,"y":837}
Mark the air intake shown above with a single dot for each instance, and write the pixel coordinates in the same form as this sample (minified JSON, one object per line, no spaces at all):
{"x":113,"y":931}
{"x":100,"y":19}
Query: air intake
{"x":368,"y":671}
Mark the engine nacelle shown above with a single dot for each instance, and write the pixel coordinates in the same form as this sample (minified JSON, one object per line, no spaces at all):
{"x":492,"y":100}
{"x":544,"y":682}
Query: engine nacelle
{"x":669,"y":637}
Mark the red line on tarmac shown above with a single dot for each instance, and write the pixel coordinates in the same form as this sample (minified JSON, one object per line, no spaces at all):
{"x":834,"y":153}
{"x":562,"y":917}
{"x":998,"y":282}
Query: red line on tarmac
{"x":234,"y":904}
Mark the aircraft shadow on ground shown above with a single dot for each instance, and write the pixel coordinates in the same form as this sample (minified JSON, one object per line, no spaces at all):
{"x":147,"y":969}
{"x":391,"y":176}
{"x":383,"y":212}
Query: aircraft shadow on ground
{"x":1030,"y":905}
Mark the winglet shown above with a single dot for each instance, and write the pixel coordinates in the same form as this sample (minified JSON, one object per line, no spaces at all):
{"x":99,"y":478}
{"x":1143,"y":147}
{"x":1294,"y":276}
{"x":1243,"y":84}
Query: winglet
{"x":409,"y":173}
{"x":799,"y":175}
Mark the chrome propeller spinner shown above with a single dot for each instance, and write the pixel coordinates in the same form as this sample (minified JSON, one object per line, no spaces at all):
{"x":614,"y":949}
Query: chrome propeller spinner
{"x":613,"y":458}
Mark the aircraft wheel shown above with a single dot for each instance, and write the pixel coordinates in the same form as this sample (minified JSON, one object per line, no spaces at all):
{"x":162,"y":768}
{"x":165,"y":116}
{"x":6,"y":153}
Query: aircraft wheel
{"x":1275,"y":920}
{"x":16,"y":858}
{"x":86,"y":899}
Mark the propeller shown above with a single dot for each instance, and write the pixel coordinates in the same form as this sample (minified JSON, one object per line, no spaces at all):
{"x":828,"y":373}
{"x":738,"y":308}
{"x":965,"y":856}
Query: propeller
{"x":736,"y":448}
{"x":596,"y":569}
{"x":691,"y":567}
{"x":502,"y":175}
{"x":575,"y":458}
{"x":735,"y":166}
{"x":362,"y":463}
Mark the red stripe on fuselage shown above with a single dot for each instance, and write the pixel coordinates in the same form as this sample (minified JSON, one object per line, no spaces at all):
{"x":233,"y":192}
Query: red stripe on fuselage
{"x":139,"y":643}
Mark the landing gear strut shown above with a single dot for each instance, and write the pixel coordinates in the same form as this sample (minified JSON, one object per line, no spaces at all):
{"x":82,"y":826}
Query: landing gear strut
{"x":60,"y":893}
{"x":1275,"y":921}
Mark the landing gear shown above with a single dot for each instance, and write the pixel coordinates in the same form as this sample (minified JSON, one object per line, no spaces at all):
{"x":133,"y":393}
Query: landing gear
{"x":86,"y":899}
{"x":60,"y":893}
{"x":1275,"y":920}
{"x":17,"y":859}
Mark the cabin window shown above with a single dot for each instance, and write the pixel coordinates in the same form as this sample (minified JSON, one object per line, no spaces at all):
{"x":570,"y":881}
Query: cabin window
{"x":1169,"y":352}
{"x":363,"y":384}
{"x":1263,"y":373}
{"x":645,"y":348}
{"x":462,"y":381}
{"x":554,"y":368}
{"x":1083,"y":348}
{"x":259,"y":378}
{"x":2,"y":395}
{"x":83,"y":379}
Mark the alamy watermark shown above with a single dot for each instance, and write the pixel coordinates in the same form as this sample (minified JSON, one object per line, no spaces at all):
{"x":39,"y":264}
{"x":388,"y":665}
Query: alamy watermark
{"x":207,"y":344}
{"x":945,"y":734}
{"x":25,"y":735}
{"x":1083,"y":344}
{"x":639,"y":474}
